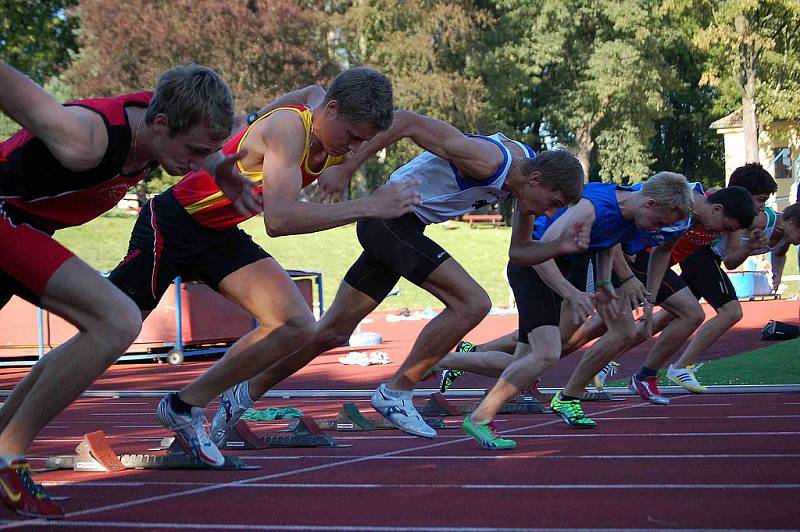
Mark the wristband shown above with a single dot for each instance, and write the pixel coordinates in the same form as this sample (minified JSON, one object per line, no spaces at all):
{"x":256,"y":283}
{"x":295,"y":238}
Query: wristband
{"x":622,"y":282}
{"x":252,"y":117}
{"x":603,"y":283}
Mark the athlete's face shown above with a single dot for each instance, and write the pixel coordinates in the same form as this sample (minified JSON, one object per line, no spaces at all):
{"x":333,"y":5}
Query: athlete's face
{"x":652,"y":216}
{"x":718,"y":222}
{"x":539,"y":199}
{"x":759,"y":201}
{"x":339,"y":135}
{"x":791,"y":232}
{"x":185,"y":151}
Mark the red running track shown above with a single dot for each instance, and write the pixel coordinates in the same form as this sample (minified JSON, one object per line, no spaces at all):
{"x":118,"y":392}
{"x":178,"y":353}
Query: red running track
{"x":704,"y":462}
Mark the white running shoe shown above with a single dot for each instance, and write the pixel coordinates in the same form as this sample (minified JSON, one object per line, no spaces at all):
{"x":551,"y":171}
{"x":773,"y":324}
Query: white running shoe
{"x":686,"y":378}
{"x":608,"y":370}
{"x":190,"y":431}
{"x":232,"y":405}
{"x":399,"y":410}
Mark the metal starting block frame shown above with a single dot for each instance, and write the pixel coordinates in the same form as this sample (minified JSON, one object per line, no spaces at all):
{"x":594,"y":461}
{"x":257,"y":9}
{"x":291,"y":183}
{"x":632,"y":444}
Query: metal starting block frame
{"x":94,"y":454}
{"x":304,"y":433}
{"x":526,"y":403}
{"x":350,"y":419}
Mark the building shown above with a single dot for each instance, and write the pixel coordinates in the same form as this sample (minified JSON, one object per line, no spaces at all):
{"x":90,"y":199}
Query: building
{"x":778,"y":152}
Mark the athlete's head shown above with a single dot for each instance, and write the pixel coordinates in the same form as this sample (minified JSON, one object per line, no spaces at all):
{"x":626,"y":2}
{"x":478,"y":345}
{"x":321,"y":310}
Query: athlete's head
{"x":191,"y":114}
{"x":791,"y":223}
{"x":553,"y":179}
{"x":667,"y":199}
{"x":359,"y":104}
{"x":731,"y":209}
{"x":756,"y":181}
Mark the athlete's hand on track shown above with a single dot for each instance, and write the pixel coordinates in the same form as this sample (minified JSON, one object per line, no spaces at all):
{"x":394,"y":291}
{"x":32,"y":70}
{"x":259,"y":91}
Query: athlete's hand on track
{"x":757,"y":239}
{"x":242,"y":192}
{"x":632,"y":293}
{"x":393,"y":200}
{"x":333,"y":183}
{"x":577,"y":241}
{"x":582,"y":306}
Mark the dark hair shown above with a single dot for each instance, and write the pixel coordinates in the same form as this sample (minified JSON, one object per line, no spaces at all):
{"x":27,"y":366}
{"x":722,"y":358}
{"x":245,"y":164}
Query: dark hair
{"x":364,"y":95}
{"x":792,"y":213}
{"x":191,"y":95}
{"x":737,"y":203}
{"x":754,"y":178}
{"x":560,"y":170}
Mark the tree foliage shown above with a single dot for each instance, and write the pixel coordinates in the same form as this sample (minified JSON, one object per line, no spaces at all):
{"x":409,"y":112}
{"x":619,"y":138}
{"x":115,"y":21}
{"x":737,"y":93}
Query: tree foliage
{"x":261,"y":47}
{"x":37,"y":36}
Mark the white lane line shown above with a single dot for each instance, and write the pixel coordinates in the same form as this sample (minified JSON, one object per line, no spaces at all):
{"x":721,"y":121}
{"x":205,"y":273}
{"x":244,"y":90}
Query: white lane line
{"x":161,"y":498}
{"x":589,"y":434}
{"x":344,"y":528}
{"x":310,"y":485}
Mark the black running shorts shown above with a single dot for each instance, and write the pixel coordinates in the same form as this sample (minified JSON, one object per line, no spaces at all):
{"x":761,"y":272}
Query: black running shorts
{"x":167,"y":242}
{"x":393,"y":249}
{"x":702,"y":272}
{"x":670,"y":285}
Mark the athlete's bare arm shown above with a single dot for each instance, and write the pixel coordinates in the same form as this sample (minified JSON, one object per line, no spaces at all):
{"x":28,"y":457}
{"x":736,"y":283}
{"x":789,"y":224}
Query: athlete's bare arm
{"x":581,"y":214}
{"x":524,"y":251}
{"x":309,"y":96}
{"x":740,"y":244}
{"x":282,"y":140}
{"x":75,"y":136}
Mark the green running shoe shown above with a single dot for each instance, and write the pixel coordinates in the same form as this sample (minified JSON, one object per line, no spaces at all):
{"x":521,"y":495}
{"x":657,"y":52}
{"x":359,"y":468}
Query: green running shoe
{"x":571,"y":412}
{"x":484,"y":433}
{"x":448,"y":376}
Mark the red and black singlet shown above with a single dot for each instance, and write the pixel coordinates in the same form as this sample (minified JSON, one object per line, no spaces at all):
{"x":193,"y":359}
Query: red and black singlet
{"x":36,"y":188}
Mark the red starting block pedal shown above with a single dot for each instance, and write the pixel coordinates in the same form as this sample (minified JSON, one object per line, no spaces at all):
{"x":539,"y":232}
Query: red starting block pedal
{"x":95,"y":454}
{"x":438,"y":405}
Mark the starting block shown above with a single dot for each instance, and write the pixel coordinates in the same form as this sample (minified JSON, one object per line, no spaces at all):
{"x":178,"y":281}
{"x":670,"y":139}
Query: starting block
{"x":94,"y":454}
{"x":304,"y":433}
{"x":350,"y":419}
{"x":597,"y":396}
{"x":526,"y":403}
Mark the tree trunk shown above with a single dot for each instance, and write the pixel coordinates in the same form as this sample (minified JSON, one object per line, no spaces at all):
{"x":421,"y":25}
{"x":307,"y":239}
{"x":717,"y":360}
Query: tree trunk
{"x":748,"y":71}
{"x":583,"y":148}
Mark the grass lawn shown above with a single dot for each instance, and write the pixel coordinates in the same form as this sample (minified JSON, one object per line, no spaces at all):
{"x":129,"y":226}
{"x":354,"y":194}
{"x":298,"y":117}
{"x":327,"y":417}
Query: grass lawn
{"x":483,"y":252}
{"x":776,"y":364}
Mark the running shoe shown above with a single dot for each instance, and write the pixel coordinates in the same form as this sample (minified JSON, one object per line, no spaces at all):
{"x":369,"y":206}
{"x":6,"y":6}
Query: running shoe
{"x":22,"y":495}
{"x":398,"y":408}
{"x":686,"y":378}
{"x":608,"y":370}
{"x":449,"y":376}
{"x":571,"y":412}
{"x":648,"y":389}
{"x":485,"y":434}
{"x":232,"y":405}
{"x":190,"y":432}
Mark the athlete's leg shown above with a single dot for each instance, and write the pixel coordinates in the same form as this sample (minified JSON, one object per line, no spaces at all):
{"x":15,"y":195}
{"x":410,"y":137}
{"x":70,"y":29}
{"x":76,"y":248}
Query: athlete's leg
{"x":333,"y":330}
{"x":265,"y":290}
{"x":686,"y":317}
{"x":107,"y":321}
{"x":466,"y":304}
{"x":727,"y":316}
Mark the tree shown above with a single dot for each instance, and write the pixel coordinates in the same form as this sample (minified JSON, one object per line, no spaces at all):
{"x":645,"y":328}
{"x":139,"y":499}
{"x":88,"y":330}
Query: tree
{"x":37,"y":37}
{"x":261,"y":47}
{"x":753,"y":47}
{"x":429,"y":50}
{"x":596,"y":76}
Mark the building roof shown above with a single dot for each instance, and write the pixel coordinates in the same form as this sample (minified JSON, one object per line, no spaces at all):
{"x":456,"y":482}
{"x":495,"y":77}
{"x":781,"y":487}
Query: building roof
{"x":732,"y":120}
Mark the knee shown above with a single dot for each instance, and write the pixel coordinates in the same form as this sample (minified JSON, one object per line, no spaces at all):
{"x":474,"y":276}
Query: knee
{"x":475,"y":308}
{"x":732,"y":314}
{"x":120,"y":327}
{"x":695,"y":317}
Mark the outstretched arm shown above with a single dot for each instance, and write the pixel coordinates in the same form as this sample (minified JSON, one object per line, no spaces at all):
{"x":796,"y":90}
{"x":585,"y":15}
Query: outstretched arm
{"x":283,"y":136}
{"x":75,"y":136}
{"x":525,"y":251}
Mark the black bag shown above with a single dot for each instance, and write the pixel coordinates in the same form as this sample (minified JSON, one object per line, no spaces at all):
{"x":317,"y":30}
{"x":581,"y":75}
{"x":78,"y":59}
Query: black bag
{"x":777,"y":330}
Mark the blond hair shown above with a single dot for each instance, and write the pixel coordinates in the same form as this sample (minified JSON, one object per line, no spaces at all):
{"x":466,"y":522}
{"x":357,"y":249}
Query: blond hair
{"x":670,"y":190}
